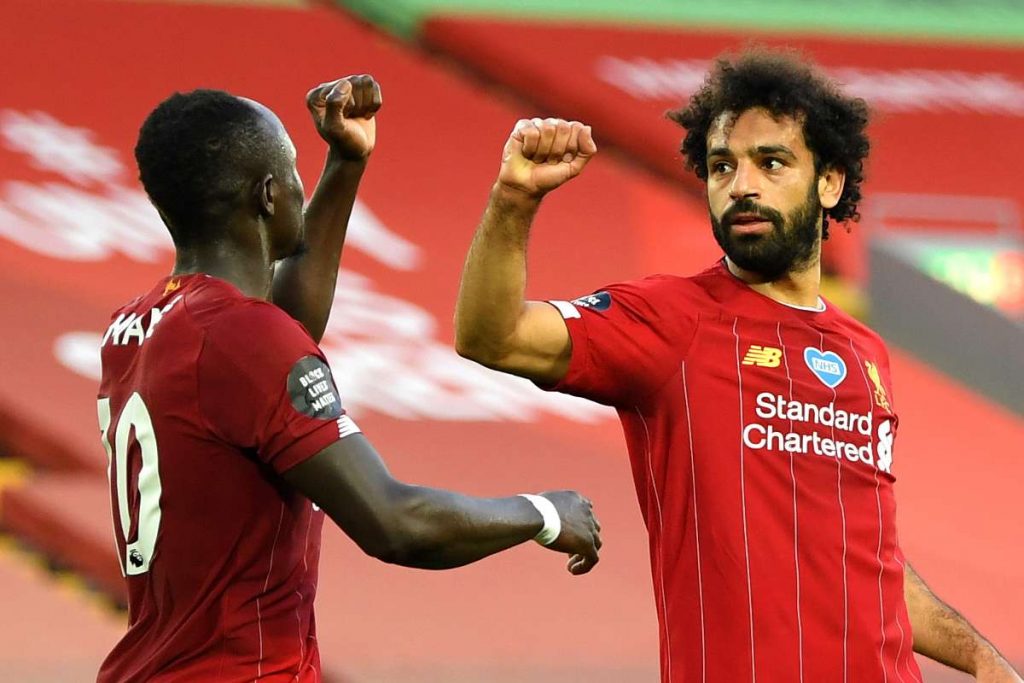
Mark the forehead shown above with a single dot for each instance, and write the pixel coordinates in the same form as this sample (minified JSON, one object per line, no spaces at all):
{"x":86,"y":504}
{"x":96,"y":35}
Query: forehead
{"x":755,"y":128}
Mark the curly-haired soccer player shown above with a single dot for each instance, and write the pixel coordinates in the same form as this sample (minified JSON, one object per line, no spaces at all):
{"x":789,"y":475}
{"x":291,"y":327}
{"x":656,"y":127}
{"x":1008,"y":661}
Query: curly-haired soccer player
{"x":759,"y":418}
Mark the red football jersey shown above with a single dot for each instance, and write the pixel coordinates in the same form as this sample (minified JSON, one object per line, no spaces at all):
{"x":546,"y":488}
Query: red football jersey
{"x":760,"y":437}
{"x":206,"y":396}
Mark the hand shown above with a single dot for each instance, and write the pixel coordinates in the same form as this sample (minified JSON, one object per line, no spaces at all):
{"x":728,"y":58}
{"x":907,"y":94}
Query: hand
{"x":581,"y":532}
{"x":343,"y":113}
{"x":542,"y":154}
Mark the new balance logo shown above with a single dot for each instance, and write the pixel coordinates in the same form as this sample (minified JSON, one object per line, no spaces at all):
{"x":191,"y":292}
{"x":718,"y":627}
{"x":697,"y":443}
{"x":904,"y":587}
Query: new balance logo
{"x":763,"y":356}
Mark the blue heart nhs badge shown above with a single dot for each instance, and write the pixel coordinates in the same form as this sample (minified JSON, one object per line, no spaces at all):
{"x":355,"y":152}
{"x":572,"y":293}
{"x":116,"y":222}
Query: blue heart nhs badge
{"x":826,"y":366}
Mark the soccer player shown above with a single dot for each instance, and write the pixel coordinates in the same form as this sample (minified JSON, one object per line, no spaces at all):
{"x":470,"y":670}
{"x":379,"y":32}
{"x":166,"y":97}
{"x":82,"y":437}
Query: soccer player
{"x":759,"y":419}
{"x":225,"y":430}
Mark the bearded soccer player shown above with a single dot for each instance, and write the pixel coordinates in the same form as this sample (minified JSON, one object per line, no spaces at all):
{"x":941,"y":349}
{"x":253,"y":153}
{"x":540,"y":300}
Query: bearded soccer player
{"x":223,"y":423}
{"x":759,"y":418}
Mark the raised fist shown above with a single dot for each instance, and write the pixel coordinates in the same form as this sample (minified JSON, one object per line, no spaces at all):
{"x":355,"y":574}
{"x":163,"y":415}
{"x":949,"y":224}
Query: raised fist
{"x":541,"y":154}
{"x":343,"y":112}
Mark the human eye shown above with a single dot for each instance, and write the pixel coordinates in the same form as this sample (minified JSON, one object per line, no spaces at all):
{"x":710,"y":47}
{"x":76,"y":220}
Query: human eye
{"x":719,"y":167}
{"x":773,"y":164}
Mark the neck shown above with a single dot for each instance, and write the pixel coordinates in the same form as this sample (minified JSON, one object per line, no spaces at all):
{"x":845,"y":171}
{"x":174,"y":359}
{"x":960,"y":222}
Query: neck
{"x":251,"y":273}
{"x":796,"y":287}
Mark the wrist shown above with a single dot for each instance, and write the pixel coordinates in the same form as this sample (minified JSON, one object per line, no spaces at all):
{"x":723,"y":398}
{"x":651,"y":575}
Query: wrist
{"x":514,"y":197}
{"x":340,"y":157}
{"x":552,"y":522}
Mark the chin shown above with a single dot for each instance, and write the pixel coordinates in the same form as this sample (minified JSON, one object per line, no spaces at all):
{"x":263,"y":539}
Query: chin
{"x":766,"y":267}
{"x":300,"y":248}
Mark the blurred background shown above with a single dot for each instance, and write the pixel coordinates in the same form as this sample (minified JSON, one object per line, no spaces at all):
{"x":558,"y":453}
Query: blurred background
{"x":936,"y":264}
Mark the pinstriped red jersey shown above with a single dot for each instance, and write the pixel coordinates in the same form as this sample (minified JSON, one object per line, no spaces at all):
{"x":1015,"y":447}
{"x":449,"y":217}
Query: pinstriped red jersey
{"x":206,"y":396}
{"x":761,"y":442}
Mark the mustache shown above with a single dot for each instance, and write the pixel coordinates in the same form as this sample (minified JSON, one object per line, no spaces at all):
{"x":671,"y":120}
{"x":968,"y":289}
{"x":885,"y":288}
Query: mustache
{"x":749,"y":206}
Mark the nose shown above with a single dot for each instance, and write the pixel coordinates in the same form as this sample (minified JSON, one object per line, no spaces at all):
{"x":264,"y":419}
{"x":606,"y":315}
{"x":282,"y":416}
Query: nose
{"x":744,"y":183}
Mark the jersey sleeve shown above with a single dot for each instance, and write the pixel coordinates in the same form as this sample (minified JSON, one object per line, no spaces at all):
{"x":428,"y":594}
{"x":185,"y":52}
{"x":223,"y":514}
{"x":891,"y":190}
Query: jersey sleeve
{"x":627,"y":341}
{"x":265,"y":386}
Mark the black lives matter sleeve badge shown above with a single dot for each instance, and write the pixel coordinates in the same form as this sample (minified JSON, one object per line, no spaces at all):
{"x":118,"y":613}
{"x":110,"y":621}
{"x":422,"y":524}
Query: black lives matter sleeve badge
{"x":312,"y":389}
{"x":598,"y":301}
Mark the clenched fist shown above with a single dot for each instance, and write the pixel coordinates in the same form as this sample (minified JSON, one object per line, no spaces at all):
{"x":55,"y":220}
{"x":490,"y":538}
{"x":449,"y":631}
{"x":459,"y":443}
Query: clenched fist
{"x":542,"y":154}
{"x":343,"y":113}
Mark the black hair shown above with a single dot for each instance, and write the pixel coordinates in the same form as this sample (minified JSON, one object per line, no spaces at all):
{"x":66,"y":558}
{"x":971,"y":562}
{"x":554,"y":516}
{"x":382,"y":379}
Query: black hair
{"x":785,"y":83}
{"x":196,"y":151}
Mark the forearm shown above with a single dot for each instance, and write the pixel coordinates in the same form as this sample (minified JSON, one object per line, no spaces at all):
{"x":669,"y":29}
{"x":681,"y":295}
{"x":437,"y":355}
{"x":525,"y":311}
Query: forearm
{"x":304,"y":284}
{"x":942,"y":634}
{"x":491,"y":296}
{"x":441,"y":529}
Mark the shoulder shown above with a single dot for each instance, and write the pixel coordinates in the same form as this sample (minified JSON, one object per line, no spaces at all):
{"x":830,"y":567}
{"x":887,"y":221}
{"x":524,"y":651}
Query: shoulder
{"x":251,"y":331}
{"x":251,"y":322}
{"x":654,"y":292}
{"x":859,"y":332}
{"x":127,"y":307}
{"x":853,"y":327}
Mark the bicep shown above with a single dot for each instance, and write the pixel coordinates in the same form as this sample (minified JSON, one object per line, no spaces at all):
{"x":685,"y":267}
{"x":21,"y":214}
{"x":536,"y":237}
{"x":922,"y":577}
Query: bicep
{"x":350,"y":482}
{"x":540,"y":346}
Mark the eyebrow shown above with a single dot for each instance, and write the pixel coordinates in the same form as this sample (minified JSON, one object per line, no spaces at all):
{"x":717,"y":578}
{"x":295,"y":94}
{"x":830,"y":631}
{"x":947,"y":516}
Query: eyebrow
{"x":763,"y":150}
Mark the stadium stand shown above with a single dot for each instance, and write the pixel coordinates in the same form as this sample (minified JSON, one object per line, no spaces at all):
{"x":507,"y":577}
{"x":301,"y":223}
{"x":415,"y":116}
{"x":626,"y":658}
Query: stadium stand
{"x":953,"y":20}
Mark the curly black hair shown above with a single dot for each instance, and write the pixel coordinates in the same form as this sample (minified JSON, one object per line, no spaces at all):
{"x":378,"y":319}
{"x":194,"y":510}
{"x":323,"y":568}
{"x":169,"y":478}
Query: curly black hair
{"x":785,"y":83}
{"x":196,"y":151}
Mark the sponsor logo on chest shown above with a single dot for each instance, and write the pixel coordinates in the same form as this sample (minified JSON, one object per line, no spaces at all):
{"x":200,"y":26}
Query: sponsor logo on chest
{"x":786,"y":423}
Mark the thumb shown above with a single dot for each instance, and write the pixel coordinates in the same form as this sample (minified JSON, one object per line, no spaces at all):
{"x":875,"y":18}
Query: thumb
{"x":514,"y":146}
{"x":587,"y":146}
{"x":587,"y":150}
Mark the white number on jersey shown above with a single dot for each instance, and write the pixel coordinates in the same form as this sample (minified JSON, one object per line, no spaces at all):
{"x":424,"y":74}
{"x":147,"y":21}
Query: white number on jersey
{"x":134,"y":417}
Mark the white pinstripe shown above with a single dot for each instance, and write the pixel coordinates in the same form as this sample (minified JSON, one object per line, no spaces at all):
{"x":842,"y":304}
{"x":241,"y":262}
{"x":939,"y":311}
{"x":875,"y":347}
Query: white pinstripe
{"x":660,"y":540}
{"x":661,"y":532}
{"x":842,"y":514}
{"x":266,"y":582}
{"x":305,"y":571}
{"x":878,"y":500}
{"x":743,"y":498}
{"x":899,"y":651}
{"x":792,"y":476}
{"x":696,"y":526}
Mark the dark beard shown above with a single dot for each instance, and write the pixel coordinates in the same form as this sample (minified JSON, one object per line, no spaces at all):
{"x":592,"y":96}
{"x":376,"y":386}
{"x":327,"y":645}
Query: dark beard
{"x":790,"y":246}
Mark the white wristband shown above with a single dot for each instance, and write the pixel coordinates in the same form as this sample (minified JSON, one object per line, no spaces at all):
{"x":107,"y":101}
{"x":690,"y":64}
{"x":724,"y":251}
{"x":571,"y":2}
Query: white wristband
{"x":552,"y":522}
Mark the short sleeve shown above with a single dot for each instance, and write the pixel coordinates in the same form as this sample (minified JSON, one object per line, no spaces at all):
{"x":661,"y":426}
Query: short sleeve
{"x":627,"y":341}
{"x":265,"y":386}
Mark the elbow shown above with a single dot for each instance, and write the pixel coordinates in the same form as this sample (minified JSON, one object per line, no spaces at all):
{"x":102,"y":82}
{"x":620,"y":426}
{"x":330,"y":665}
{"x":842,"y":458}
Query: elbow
{"x":393,"y":550}
{"x":467,"y":343}
{"x":472,"y":347}
{"x":470,"y":342}
{"x":467,"y":347}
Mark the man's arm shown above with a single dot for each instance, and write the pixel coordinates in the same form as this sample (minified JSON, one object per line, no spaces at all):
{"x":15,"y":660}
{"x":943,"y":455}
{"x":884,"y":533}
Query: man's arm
{"x":343,"y":112}
{"x":494,"y":324}
{"x":942,"y":634}
{"x":430,"y":528}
